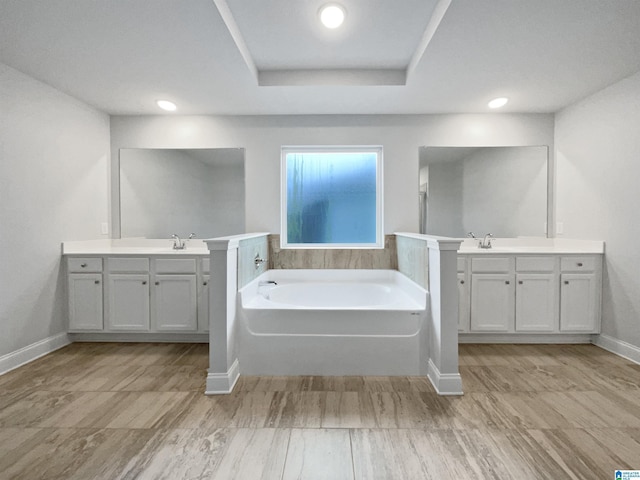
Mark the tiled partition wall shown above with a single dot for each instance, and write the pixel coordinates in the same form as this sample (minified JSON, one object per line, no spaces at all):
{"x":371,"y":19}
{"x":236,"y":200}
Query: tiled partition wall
{"x":432,"y":262}
{"x":413,"y":259}
{"x":292,"y":258}
{"x":232,"y":267}
{"x":248,"y":250}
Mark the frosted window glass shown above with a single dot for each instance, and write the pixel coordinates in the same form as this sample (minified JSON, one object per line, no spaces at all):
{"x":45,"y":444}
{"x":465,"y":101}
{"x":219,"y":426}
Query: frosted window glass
{"x":331,"y":197}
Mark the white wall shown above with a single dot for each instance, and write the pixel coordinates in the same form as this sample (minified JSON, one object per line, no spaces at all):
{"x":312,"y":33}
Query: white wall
{"x":262,"y":137}
{"x":598,"y":185}
{"x":53,"y":187}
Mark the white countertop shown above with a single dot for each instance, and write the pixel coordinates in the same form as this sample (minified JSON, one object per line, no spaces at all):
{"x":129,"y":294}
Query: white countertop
{"x":533,"y":245}
{"x":133,"y":246}
{"x":519,"y":245}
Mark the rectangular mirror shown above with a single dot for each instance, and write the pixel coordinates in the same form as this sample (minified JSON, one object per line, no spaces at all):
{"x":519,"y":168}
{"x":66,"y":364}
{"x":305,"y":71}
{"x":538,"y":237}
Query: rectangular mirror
{"x":166,"y":191}
{"x":498,"y":190}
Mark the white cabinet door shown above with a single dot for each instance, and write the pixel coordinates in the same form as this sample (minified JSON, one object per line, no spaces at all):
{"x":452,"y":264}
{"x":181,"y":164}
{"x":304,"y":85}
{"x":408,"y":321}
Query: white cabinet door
{"x":579,"y":302}
{"x":203,"y":304}
{"x":85,"y":301}
{"x":463,"y":303}
{"x":175,"y":307}
{"x":492,"y":302}
{"x":128,"y":305}
{"x":536,"y":302}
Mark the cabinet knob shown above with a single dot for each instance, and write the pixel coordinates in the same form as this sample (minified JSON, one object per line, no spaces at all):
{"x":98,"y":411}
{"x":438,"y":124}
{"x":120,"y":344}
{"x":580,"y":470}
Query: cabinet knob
{"x":520,"y":282}
{"x":97,"y":282}
{"x":83,"y":265}
{"x":566,"y":282}
{"x":205,"y":283}
{"x":157,"y":283}
{"x":579,"y":264}
{"x":507,"y":282}
{"x":144,"y":283}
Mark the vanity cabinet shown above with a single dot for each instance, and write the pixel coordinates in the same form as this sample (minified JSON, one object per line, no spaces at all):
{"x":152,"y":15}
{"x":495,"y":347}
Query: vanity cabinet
{"x":175,"y":306}
{"x":127,"y":293}
{"x":203,"y":304}
{"x":463,"y":303}
{"x":174,"y":295}
{"x":85,"y":301}
{"x":491,"y":302}
{"x":492,"y":294}
{"x":528,"y":294}
{"x":579,"y":294}
{"x":536,"y":306}
{"x":139,"y":294}
{"x":85,"y":293}
{"x":128,"y":302}
{"x":536,"y":302}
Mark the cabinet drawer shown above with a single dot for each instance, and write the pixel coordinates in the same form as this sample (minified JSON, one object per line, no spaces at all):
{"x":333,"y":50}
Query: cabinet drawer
{"x":176,"y":265}
{"x":206,"y":262}
{"x":490,"y":264}
{"x":535,"y":264}
{"x":578,"y":264}
{"x":89,"y":264}
{"x":128,"y":265}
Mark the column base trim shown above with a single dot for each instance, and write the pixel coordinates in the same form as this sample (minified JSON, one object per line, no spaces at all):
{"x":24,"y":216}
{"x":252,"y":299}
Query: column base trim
{"x":444,"y":383}
{"x":223,"y":383}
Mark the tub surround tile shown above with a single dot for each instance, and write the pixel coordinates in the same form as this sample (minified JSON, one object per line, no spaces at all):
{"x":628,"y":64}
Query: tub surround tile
{"x":247,"y":251}
{"x":413,"y":259}
{"x":291,"y":258}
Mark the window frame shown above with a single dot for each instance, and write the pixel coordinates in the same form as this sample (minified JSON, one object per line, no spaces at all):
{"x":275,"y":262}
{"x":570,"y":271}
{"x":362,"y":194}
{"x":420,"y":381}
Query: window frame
{"x":295,"y":149}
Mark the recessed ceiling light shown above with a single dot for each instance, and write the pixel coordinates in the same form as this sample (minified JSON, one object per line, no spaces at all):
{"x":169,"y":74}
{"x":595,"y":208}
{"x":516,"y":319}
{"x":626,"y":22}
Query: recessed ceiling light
{"x":166,"y":105}
{"x":332,"y":15}
{"x":498,"y":102}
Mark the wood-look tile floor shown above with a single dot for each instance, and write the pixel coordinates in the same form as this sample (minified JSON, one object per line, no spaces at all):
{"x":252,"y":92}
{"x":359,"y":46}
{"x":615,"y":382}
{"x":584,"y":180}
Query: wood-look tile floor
{"x":137,"y":411}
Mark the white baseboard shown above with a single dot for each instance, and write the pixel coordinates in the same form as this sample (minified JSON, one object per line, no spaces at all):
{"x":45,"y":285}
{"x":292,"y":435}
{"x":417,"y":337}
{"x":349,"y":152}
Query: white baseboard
{"x":27,"y":354}
{"x":223,"y":383}
{"x":444,"y":383}
{"x":620,"y":348}
{"x":525,"y":338}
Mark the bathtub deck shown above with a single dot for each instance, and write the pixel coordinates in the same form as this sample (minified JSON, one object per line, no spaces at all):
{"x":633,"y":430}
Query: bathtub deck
{"x":109,"y":411}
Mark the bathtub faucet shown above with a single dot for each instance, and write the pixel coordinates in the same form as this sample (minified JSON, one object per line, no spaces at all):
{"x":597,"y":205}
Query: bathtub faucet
{"x":266,"y":282}
{"x":258,"y":261}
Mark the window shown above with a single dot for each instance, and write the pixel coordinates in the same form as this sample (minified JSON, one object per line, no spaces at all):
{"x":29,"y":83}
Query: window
{"x":332,"y":197}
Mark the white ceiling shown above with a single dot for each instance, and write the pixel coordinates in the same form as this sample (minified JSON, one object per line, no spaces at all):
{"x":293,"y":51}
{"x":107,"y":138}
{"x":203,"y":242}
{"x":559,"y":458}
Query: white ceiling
{"x":391,"y":56}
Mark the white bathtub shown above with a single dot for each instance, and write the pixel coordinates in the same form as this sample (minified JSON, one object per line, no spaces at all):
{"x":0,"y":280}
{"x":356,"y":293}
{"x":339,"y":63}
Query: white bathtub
{"x":333,"y":322}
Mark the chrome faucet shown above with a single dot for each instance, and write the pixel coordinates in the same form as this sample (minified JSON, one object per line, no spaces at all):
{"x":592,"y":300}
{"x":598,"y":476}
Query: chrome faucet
{"x":258,"y":261}
{"x":471,"y":235}
{"x":177,"y":243}
{"x":486,"y":241}
{"x":267,"y":282}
